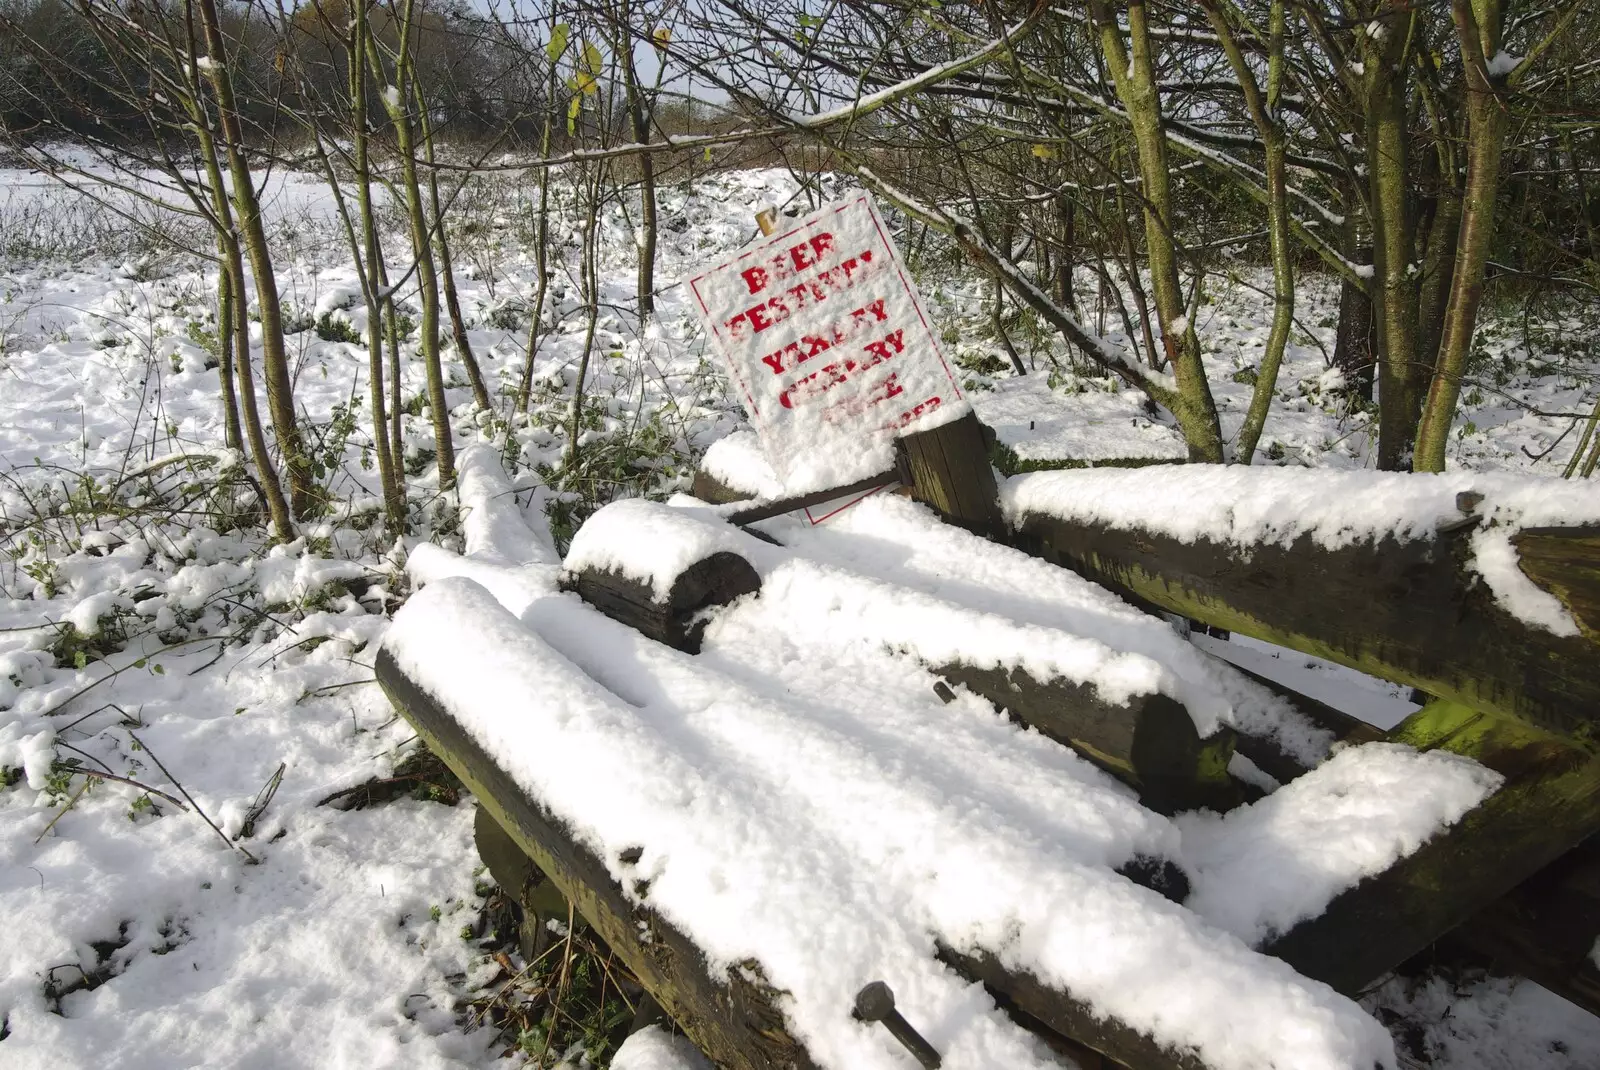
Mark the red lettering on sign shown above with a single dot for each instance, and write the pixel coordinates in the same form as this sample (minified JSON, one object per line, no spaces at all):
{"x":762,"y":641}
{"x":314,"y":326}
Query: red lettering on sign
{"x":881,"y":349}
{"x":889,"y":388}
{"x":913,"y":413}
{"x":832,"y":375}
{"x":788,"y":263}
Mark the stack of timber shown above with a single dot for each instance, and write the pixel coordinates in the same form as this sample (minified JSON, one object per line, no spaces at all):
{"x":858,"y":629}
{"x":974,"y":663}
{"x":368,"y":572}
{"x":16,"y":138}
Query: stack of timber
{"x":1516,"y":878}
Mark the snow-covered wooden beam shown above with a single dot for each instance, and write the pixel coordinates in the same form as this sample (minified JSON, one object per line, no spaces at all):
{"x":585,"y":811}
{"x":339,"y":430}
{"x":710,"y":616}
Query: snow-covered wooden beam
{"x":1150,"y":742}
{"x":676,"y":618}
{"x":1545,"y":929}
{"x":1547,"y":803}
{"x":1416,"y":579}
{"x":734,"y":1018}
{"x":1060,"y":1013}
{"x":659,"y":570}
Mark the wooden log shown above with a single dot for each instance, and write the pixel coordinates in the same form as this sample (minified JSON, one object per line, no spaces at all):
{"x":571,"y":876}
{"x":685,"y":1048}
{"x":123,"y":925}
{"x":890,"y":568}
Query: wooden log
{"x":1411,"y":612}
{"x":1548,"y":804}
{"x":678,"y":622}
{"x":1150,"y":743}
{"x":521,"y":881}
{"x":734,"y":1017}
{"x":1545,"y":929}
{"x":948,"y":468}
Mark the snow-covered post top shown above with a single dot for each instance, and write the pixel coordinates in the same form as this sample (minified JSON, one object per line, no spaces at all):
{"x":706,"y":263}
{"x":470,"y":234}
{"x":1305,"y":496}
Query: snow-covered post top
{"x":658,"y":568}
{"x":651,"y":543}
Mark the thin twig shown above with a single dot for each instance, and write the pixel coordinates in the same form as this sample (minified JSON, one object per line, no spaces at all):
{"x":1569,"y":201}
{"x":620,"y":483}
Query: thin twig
{"x":88,"y":779}
{"x":168,"y":774}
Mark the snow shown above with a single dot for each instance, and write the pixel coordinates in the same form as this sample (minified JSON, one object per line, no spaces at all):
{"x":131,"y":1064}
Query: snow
{"x":737,"y":462}
{"x":1262,"y":868}
{"x":1501,"y":64}
{"x":1247,"y":506}
{"x":327,"y":953}
{"x":493,"y":525}
{"x":653,"y":1048}
{"x":1043,"y":427}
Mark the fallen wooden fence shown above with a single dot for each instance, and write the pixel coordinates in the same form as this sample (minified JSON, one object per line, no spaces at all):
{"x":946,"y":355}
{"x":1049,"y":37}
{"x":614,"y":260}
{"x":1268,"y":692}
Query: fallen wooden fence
{"x":1517,"y":878}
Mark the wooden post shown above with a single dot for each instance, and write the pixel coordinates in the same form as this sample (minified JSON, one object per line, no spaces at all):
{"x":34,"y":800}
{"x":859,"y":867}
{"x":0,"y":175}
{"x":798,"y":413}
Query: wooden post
{"x":1545,"y":929}
{"x":678,"y":622}
{"x":948,"y":468}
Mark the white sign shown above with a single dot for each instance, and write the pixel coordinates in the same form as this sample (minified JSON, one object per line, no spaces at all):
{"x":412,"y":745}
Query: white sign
{"x":829,"y":345}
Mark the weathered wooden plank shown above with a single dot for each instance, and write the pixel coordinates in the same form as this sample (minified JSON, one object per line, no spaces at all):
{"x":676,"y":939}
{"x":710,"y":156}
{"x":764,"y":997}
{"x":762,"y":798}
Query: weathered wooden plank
{"x":1411,"y":612}
{"x":715,"y":580}
{"x":1150,"y":743}
{"x":731,"y":1017}
{"x":1565,"y":562}
{"x":1543,"y":929}
{"x":768,"y":510}
{"x":948,"y":468}
{"x":1549,"y":803}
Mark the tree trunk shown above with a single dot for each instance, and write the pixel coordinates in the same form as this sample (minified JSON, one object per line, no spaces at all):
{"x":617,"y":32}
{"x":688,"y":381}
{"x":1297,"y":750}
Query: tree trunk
{"x":1478,"y":26}
{"x":1136,"y":86}
{"x":1264,"y":112}
{"x":422,"y":249}
{"x":447,"y":277}
{"x":375,"y":278}
{"x":1394,"y":289}
{"x":274,"y":358}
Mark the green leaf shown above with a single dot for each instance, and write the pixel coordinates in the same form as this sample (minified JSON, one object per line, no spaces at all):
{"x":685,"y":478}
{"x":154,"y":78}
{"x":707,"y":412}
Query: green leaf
{"x":591,"y":58}
{"x":139,"y":664}
{"x":158,"y":670}
{"x":556,"y":47}
{"x":80,"y":659}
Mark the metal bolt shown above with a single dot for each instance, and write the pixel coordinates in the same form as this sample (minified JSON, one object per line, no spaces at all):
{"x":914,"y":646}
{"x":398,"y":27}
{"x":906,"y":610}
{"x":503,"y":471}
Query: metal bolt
{"x":875,"y":1003}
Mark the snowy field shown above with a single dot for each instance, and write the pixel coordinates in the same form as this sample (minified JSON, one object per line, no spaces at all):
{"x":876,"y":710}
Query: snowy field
{"x":196,"y":903}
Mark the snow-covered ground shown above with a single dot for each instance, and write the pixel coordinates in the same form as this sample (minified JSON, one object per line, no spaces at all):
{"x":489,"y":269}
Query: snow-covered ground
{"x":212,"y":912}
